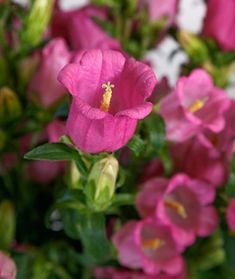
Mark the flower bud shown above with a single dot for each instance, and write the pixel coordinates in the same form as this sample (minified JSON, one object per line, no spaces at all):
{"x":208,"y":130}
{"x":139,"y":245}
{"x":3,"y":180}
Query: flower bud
{"x":7,"y":224}
{"x":36,"y":22}
{"x":101,"y":183}
{"x":194,"y":46}
{"x":27,"y":67}
{"x":74,"y":176}
{"x":9,"y":104}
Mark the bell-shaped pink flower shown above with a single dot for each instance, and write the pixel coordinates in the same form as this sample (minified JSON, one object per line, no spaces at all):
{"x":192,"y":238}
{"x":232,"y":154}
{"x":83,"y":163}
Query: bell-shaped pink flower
{"x":219,"y":23}
{"x":230,"y":215}
{"x":182,"y":203}
{"x":199,"y":159}
{"x":195,"y":105}
{"x":81,"y":31}
{"x":149,"y":195}
{"x":44,"y":86}
{"x":223,"y":142}
{"x":149,"y":245}
{"x":109,"y":93}
{"x":7,"y":267}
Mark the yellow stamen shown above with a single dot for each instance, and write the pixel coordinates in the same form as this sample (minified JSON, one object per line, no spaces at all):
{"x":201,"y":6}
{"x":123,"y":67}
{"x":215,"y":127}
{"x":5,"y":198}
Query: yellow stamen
{"x":176,"y":206}
{"x":107,"y":96}
{"x":153,"y":244}
{"x":198,"y":104}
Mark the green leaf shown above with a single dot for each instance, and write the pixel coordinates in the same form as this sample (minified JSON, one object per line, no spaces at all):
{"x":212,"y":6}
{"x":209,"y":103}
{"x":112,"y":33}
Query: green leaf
{"x":136,"y":144}
{"x":207,"y":253}
{"x":91,"y":229}
{"x":93,"y":235}
{"x":229,"y":245}
{"x":123,"y":199}
{"x":156,"y":129}
{"x":57,"y":152}
{"x":52,"y":152}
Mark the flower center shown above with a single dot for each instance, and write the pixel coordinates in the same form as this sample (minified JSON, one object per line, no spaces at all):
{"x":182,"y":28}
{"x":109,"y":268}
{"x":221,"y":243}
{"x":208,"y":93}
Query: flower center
{"x":177,"y":206}
{"x":107,"y":96}
{"x":198,"y":104}
{"x":152,"y":244}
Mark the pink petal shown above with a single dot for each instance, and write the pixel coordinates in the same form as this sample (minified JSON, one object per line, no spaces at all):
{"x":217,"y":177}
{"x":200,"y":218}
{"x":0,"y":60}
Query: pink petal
{"x":209,"y":221}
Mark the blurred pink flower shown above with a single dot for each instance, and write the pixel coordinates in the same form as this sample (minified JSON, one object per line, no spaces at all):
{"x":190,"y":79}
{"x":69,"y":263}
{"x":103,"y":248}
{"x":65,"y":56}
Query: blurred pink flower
{"x":182,"y":203}
{"x":109,"y":93}
{"x":198,"y":159}
{"x":219,"y":23}
{"x":222,"y":142}
{"x":7,"y":267}
{"x":81,"y":31}
{"x":151,"y":192}
{"x":44,"y":86}
{"x":195,"y":105}
{"x":55,"y":130}
{"x":114,"y":273}
{"x":230,"y":215}
{"x":149,"y":245}
{"x":161,"y":8}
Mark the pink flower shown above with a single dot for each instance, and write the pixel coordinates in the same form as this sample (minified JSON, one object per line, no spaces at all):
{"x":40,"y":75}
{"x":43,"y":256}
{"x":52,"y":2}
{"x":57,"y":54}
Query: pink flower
{"x":182,"y":203}
{"x":55,"y":130}
{"x":81,"y":31}
{"x":44,"y":83}
{"x":195,"y":105}
{"x":149,"y":245}
{"x":219,"y":23}
{"x":158,"y":9}
{"x":113,"y":273}
{"x":230,"y":215}
{"x":151,"y":192}
{"x":109,"y":93}
{"x":222,"y":142}
{"x":199,"y":159}
{"x":7,"y":267}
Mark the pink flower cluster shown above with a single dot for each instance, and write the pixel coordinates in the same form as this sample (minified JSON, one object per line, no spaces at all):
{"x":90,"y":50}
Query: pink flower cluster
{"x":174,"y":212}
{"x":199,"y":119}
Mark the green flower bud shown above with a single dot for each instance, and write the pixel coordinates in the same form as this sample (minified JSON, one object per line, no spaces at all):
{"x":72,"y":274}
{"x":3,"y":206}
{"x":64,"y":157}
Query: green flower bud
{"x":26,"y":68}
{"x":74,"y":176}
{"x":101,"y":183}
{"x":36,"y":22}
{"x":9,"y":104}
{"x":220,"y":75}
{"x":194,"y":46}
{"x":7,"y":224}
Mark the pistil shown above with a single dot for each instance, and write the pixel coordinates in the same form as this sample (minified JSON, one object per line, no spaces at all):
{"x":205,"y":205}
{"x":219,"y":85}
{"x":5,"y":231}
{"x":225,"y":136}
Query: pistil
{"x":107,"y":96}
{"x":177,"y":206}
{"x":152,"y":244}
{"x":198,"y":104}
